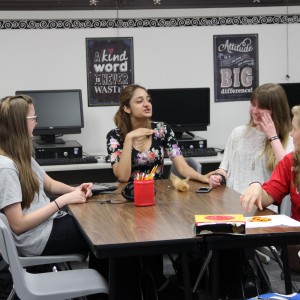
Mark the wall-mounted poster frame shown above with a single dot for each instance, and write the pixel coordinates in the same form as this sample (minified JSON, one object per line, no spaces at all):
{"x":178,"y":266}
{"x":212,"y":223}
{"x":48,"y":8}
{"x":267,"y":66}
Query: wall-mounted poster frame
{"x":235,"y":66}
{"x":109,"y":69}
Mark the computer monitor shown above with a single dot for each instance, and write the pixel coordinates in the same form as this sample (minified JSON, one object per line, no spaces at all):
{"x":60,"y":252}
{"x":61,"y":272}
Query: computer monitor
{"x":292,"y":91}
{"x":184,"y":109}
{"x":59,"y":112}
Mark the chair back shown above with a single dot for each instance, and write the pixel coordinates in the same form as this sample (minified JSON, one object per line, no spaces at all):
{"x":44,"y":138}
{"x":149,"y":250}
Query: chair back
{"x":192,"y":162}
{"x":61,"y":285}
{"x":286,"y":206}
{"x":10,"y":255}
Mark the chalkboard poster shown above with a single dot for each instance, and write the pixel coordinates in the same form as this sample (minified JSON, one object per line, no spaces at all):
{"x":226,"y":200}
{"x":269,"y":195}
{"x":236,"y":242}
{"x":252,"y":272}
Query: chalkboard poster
{"x":109,"y":69}
{"x":235,"y":66}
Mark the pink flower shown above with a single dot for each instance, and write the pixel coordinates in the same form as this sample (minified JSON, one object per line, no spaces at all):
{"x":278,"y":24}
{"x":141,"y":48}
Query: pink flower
{"x":151,"y":155}
{"x":115,"y":155}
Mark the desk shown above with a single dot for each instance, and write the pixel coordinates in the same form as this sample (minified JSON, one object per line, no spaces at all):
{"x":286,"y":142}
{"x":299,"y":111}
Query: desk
{"x":102,"y":171}
{"x":114,"y":230}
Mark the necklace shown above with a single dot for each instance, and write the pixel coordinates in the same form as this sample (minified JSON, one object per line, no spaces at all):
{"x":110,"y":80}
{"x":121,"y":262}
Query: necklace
{"x":139,"y":142}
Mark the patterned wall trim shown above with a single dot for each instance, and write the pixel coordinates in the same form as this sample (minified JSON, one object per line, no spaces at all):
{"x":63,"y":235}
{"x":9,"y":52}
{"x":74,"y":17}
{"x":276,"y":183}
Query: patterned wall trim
{"x":147,"y":23}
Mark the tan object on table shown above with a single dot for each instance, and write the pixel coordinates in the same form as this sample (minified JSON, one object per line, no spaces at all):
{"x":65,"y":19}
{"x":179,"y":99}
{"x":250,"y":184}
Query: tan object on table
{"x":180,"y":184}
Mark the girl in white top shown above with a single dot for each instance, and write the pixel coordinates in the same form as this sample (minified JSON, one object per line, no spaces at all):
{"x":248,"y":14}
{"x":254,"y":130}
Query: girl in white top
{"x":253,"y":150}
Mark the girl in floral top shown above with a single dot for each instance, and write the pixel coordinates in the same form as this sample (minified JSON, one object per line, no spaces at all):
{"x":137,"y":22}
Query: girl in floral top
{"x":138,"y":144}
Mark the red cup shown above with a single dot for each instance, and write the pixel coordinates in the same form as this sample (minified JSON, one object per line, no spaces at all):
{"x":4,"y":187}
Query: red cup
{"x":144,"y":192}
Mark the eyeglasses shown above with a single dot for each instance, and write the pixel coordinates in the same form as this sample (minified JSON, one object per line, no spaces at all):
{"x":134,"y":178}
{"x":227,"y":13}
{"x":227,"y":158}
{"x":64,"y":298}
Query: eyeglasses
{"x":33,"y":118}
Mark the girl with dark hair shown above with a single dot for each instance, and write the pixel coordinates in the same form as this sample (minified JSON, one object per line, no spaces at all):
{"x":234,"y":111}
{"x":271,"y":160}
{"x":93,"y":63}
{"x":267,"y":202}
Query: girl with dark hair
{"x":138,"y":144}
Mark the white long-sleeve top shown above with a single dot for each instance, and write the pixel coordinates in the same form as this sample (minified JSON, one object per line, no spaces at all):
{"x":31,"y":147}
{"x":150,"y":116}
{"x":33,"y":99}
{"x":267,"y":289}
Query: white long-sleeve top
{"x":244,"y":160}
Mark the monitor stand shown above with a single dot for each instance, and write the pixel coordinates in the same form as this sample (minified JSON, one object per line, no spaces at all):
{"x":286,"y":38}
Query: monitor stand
{"x":49,"y":139}
{"x":182,"y":136}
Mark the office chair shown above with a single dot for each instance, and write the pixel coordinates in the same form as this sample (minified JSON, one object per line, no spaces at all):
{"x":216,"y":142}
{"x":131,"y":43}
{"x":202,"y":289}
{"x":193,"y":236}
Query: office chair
{"x":48,"y":286}
{"x":192,"y":162}
{"x":45,"y":260}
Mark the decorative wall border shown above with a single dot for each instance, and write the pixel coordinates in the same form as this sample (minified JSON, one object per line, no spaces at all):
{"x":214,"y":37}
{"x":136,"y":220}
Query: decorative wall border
{"x":146,"y":23}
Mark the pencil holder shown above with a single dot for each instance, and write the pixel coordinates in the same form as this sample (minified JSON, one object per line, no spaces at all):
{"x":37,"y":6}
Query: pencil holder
{"x":144,"y":192}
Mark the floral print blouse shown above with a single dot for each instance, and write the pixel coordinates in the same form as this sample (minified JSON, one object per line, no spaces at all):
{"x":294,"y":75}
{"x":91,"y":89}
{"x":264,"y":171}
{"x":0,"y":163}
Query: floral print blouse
{"x":163,"y":141}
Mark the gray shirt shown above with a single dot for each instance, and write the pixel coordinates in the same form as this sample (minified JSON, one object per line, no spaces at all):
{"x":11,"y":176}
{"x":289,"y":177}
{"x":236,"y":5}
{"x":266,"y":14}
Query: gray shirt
{"x":33,"y":241}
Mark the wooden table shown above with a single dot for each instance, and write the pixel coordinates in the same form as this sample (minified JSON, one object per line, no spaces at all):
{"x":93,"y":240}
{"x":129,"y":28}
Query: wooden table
{"x":114,"y":230}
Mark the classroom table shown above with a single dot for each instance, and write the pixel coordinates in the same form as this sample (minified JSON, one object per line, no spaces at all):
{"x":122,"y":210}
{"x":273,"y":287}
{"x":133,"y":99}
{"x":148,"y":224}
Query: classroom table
{"x":114,"y":230}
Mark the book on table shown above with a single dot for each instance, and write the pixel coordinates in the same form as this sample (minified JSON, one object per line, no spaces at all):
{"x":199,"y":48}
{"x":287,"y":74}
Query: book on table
{"x":224,"y":223}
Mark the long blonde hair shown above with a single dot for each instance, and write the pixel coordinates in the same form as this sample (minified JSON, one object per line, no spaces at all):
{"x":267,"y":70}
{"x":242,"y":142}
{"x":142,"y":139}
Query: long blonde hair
{"x":122,"y":119}
{"x":272,"y":97}
{"x":296,"y":162}
{"x":15,"y":142}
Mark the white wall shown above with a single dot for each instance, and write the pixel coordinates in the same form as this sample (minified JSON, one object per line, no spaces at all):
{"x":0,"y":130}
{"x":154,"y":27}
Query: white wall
{"x":163,"y":58}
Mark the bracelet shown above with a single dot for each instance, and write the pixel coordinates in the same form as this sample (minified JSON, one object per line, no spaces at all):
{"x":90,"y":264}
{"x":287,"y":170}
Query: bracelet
{"x":57,"y":205}
{"x":223,"y":178}
{"x":273,"y":138}
{"x":254,"y":182}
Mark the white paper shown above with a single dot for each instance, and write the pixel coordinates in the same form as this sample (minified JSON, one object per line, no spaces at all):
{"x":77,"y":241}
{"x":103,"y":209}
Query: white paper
{"x":276,"y":220}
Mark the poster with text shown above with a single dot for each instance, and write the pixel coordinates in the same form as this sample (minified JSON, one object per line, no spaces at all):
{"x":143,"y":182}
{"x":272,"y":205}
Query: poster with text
{"x":235,"y":66}
{"x":109,"y":69}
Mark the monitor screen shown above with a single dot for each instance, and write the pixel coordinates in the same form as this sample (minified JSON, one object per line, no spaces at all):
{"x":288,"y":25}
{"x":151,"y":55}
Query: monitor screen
{"x":292,"y":91}
{"x":184,"y":109}
{"x":59,"y":112}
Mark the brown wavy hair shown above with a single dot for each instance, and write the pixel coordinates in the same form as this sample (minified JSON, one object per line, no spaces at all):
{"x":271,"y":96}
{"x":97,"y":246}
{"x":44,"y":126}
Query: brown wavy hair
{"x":272,"y":96}
{"x":15,"y":142}
{"x":122,"y":119}
{"x":296,"y":162}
